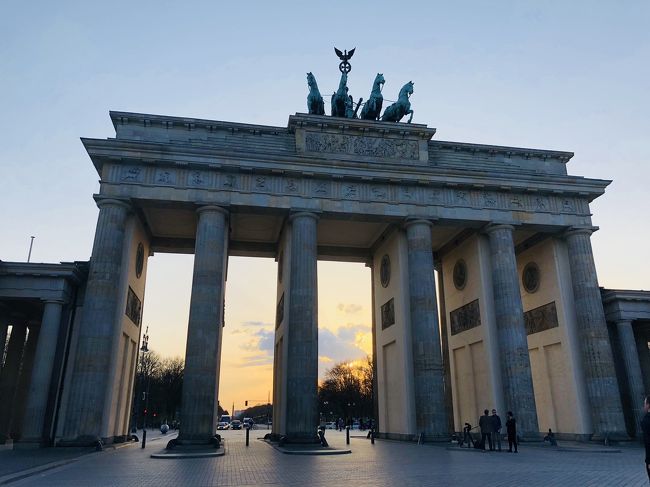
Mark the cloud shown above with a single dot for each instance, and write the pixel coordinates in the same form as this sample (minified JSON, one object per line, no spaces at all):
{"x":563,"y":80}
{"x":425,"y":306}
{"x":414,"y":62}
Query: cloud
{"x":350,"y":331}
{"x":256,"y":324}
{"x":349,"y":309}
{"x":261,"y":340}
{"x":254,"y":360}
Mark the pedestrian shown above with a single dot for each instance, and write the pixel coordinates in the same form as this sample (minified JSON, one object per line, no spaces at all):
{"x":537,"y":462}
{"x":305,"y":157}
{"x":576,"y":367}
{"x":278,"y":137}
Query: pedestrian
{"x":511,"y":429}
{"x":550,"y":437}
{"x":645,"y":427}
{"x":467,"y":436}
{"x":485,"y":423}
{"x":496,"y":427}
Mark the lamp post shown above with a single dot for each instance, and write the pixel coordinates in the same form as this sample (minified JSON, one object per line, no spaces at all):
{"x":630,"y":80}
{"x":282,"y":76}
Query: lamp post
{"x":145,"y":394}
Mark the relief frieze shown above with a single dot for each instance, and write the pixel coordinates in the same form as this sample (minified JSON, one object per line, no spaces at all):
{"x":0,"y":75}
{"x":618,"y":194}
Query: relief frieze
{"x":391,"y":192}
{"x":362,"y":146}
{"x":465,"y":318}
{"x":541,"y":318}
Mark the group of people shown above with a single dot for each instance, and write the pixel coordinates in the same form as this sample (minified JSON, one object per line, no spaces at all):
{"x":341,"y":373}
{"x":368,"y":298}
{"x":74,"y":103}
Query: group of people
{"x":490,"y":427}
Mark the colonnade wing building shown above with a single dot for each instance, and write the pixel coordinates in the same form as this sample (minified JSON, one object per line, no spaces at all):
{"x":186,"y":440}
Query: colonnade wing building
{"x":485,"y":292}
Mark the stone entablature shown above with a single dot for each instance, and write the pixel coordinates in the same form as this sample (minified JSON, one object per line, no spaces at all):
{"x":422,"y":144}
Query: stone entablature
{"x":337,"y":166}
{"x":626,"y":304}
{"x":280,"y":141}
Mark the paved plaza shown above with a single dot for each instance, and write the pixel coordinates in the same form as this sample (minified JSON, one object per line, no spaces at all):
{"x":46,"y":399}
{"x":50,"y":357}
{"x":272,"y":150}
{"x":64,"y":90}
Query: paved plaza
{"x":387,"y":463}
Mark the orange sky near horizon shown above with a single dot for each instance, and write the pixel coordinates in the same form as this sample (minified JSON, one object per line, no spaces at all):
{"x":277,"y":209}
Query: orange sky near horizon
{"x":344,"y":319}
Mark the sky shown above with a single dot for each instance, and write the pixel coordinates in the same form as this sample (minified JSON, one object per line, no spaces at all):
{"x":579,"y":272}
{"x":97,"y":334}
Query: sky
{"x":554,"y":75}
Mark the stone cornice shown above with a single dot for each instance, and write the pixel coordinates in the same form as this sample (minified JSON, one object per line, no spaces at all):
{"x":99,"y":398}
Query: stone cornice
{"x":610,"y":295}
{"x":185,"y":123}
{"x":150,"y":153}
{"x":361,"y":127}
{"x":561,"y":156}
{"x":74,"y":271}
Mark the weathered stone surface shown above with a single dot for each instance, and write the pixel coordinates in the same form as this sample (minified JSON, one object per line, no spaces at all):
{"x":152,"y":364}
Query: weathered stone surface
{"x":89,"y":386}
{"x":428,"y":373}
{"x":39,"y":386}
{"x":633,"y":371}
{"x":302,"y":330}
{"x":515,"y":363}
{"x":202,"y":356}
{"x":10,"y":376}
{"x":597,"y":358}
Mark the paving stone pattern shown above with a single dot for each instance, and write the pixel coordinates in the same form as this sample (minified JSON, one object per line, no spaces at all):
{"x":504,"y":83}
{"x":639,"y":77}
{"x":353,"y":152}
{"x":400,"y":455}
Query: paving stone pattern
{"x":387,"y":463}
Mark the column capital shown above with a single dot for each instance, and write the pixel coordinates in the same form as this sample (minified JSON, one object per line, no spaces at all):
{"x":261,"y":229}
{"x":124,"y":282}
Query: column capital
{"x":215,"y":208}
{"x":302,"y":213}
{"x":103,"y":201}
{"x":579,"y":231}
{"x":416,"y":220}
{"x":494,"y":226}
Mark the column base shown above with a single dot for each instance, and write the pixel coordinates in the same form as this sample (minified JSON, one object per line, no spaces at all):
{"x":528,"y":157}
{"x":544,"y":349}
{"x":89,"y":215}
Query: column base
{"x":607,"y":437}
{"x":194,"y":443}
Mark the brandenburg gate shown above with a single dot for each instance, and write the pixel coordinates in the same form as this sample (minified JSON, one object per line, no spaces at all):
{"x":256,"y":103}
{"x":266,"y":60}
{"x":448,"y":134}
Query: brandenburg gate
{"x":498,"y":237}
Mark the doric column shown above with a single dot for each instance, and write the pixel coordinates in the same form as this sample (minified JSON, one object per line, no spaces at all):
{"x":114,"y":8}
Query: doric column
{"x":302,"y":330}
{"x":89,"y":385}
{"x":199,"y":407}
{"x":597,"y":357}
{"x":511,"y":332}
{"x":633,"y":371}
{"x":10,"y":375}
{"x":39,"y":386}
{"x":20,"y":399}
{"x":428,"y":373}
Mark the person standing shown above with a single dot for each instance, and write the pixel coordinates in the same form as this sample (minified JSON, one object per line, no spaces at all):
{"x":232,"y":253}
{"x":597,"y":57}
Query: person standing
{"x":511,"y":430}
{"x":645,"y":427}
{"x":496,"y":430}
{"x":485,"y":423}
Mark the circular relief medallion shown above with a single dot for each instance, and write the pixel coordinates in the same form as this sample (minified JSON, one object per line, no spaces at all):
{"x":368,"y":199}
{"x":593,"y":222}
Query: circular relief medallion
{"x":530,"y":277}
{"x":139,"y":260}
{"x":384,"y":271}
{"x":460,"y":274}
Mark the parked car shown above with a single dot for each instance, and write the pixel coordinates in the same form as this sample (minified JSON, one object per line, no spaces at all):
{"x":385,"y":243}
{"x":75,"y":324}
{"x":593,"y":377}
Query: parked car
{"x":224,"y":422}
{"x":235,"y":424}
{"x":249,"y":423}
{"x":330,"y":425}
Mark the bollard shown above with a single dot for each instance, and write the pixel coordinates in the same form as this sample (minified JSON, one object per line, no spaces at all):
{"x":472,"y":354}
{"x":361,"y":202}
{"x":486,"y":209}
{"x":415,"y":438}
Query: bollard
{"x":372,"y":436}
{"x":347,"y":435}
{"x":248,"y":430}
{"x":144,"y":438}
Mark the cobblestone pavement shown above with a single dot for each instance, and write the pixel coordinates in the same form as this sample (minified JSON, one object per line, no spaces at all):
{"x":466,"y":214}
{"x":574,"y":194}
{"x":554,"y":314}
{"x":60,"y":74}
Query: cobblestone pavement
{"x":384,"y":463}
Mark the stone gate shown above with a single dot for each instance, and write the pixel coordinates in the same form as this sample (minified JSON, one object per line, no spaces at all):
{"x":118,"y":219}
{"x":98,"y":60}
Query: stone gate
{"x":498,"y":236}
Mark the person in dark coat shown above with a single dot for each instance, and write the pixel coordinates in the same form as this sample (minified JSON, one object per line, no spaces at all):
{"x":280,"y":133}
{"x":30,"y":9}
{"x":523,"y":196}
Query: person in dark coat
{"x":496,"y":430}
{"x":486,"y":425}
{"x":645,"y":427}
{"x":511,"y":429}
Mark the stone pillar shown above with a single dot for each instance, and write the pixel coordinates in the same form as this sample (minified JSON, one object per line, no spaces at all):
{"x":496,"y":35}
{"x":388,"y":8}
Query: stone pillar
{"x":4,"y":326}
{"x":428,"y":373}
{"x":199,"y":407}
{"x":88,"y":399}
{"x":597,"y":357}
{"x":302,"y":330}
{"x":10,"y":376}
{"x":519,"y":396}
{"x":20,"y":399}
{"x":39,"y":386}
{"x":633,"y":371}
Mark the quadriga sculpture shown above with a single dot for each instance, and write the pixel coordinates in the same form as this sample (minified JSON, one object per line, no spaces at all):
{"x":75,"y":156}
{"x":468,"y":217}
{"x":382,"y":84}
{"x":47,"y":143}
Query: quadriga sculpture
{"x":372,"y":108}
{"x":401,"y":107}
{"x":315,"y":104}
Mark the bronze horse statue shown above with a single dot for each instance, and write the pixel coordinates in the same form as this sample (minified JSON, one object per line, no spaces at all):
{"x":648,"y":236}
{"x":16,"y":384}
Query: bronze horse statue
{"x":315,"y":105}
{"x":340,"y":97}
{"x":372,"y":108}
{"x":401,"y":107}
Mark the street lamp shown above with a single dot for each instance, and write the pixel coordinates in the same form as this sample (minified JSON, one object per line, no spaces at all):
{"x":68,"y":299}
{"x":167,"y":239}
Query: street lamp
{"x":145,"y":394}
